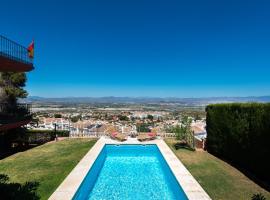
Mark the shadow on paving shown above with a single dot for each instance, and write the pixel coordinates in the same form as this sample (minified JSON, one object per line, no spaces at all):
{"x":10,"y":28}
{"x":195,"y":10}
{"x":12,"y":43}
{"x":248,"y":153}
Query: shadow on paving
{"x":18,"y":191}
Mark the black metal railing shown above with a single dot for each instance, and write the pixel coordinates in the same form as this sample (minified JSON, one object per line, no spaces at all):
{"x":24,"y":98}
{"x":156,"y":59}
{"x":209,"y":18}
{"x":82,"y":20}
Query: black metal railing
{"x":10,"y":113}
{"x":14,"y":51}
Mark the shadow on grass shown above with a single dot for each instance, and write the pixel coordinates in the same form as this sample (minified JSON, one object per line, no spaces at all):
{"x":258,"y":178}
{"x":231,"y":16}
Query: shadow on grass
{"x":17,"y":191}
{"x":183,"y":145}
{"x":261,"y":181}
{"x":19,"y":148}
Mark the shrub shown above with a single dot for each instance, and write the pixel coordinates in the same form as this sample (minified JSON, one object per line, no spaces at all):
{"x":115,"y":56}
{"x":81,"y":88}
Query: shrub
{"x":42,"y":136}
{"x":258,"y":197}
{"x":57,"y":115}
{"x":18,"y":191}
{"x":123,"y":118}
{"x":150,"y":117}
{"x":144,"y":127}
{"x":240,"y":132}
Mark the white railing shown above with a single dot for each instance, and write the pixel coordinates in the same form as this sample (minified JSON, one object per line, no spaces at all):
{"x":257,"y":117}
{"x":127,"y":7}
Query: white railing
{"x":76,"y":133}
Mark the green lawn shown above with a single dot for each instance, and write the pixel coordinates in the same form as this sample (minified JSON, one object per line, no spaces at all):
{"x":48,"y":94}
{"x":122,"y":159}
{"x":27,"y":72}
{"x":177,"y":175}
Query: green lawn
{"x":48,"y":164}
{"x":219,"y":179}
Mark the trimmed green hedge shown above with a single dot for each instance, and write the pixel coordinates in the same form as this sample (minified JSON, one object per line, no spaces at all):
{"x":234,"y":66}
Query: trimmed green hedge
{"x":42,"y":136}
{"x":240,"y":132}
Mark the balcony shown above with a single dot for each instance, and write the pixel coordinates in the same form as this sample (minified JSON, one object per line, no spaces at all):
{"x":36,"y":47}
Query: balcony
{"x":14,"y":116}
{"x":14,"y":57}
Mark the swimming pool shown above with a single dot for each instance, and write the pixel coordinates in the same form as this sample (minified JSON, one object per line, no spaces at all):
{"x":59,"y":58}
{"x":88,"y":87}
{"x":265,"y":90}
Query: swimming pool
{"x":130,"y":172}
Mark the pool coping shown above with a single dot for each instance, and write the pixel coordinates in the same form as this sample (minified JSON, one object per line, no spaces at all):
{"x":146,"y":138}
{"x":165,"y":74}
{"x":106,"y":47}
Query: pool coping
{"x":67,"y":189}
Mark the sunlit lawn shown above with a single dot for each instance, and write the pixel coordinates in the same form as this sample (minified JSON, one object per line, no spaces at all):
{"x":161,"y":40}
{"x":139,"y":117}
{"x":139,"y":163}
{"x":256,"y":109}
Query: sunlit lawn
{"x":48,"y":164}
{"x":219,"y":179}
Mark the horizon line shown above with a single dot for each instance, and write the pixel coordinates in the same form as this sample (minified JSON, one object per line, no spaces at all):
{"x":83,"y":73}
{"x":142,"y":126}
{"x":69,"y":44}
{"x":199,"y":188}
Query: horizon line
{"x":250,"y":96}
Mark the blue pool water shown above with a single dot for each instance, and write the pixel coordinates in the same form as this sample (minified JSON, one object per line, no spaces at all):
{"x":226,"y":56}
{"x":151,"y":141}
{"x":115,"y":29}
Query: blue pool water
{"x":130,"y":172}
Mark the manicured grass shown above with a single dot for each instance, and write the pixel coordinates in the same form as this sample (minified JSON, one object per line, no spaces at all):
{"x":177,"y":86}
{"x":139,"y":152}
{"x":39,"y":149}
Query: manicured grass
{"x":48,"y":164}
{"x":219,"y":179}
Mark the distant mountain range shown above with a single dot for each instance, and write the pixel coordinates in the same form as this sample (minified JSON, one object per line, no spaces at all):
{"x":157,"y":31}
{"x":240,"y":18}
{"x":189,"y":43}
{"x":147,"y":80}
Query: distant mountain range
{"x":146,"y":100}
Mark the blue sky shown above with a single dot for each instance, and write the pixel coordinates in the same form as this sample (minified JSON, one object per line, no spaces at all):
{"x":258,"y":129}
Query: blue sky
{"x":143,"y":47}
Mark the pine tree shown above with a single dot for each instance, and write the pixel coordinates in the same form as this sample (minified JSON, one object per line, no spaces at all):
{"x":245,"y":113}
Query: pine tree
{"x":12,"y":84}
{"x":11,"y":89}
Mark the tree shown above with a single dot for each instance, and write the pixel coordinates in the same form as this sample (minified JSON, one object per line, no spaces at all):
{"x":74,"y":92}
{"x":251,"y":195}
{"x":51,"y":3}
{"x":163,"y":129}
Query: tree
{"x":75,"y":119}
{"x":184,"y":129}
{"x":144,"y":127}
{"x":197,"y":117}
{"x":178,"y":132}
{"x":11,"y":89}
{"x":57,"y":115}
{"x":186,"y":125}
{"x":169,"y":129}
{"x":12,"y":84}
{"x":150,"y":117}
{"x":123,"y":118}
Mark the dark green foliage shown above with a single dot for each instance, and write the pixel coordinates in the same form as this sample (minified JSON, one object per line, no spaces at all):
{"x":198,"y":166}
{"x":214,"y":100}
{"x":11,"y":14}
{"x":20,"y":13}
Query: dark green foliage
{"x":13,"y":84}
{"x":150,"y":117}
{"x":60,"y":133}
{"x":57,"y":115}
{"x":241,"y":134}
{"x":74,"y":119}
{"x":16,"y":190}
{"x":144,"y":127}
{"x":42,"y":136}
{"x":179,"y":132}
{"x":184,"y":133}
{"x":184,"y":130}
{"x":258,"y":197}
{"x":123,"y":118}
{"x":169,"y":129}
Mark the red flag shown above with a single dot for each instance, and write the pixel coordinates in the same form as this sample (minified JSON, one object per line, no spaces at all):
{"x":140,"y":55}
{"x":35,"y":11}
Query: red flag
{"x":30,"y":50}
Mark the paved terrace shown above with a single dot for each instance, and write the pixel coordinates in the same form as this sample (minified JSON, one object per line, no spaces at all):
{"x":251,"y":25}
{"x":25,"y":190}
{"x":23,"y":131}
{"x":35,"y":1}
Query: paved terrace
{"x":70,"y":185}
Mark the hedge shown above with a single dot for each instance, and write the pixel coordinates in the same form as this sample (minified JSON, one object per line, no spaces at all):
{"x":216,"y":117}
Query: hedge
{"x":240,"y":133}
{"x":42,"y":136}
